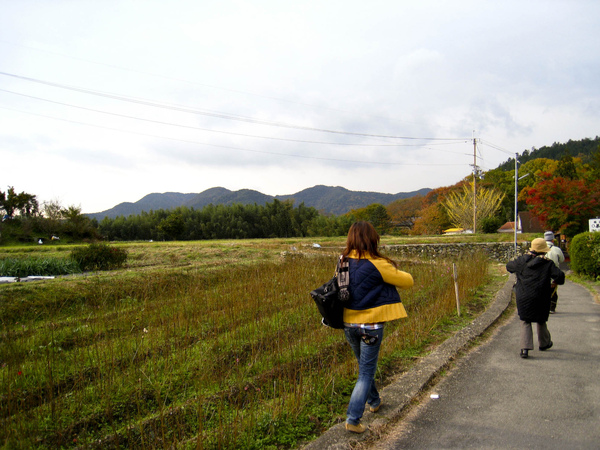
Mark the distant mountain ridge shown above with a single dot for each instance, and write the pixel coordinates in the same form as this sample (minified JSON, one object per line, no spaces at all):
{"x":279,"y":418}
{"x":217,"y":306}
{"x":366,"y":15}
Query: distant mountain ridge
{"x":327,"y":199}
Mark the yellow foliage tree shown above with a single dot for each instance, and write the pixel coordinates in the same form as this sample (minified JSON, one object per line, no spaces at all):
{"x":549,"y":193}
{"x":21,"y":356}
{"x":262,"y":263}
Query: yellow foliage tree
{"x":459,"y":205}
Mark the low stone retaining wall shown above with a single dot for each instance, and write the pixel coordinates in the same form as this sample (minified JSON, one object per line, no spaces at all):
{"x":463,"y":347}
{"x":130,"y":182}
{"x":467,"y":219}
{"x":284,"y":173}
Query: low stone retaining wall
{"x":497,"y":251}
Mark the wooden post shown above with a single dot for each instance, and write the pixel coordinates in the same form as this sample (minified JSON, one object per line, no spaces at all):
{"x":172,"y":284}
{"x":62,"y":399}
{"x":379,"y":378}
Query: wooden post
{"x":456,"y":288}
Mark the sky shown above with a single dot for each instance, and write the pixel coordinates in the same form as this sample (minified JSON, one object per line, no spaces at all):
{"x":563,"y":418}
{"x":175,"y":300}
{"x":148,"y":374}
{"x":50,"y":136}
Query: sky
{"x":105,"y":101}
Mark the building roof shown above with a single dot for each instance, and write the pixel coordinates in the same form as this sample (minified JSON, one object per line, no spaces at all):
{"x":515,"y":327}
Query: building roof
{"x":529,"y":223}
{"x":507,"y":227}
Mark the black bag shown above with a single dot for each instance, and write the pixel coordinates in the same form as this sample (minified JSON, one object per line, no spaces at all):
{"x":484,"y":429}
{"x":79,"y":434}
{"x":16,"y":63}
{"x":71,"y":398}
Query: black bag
{"x":331,"y":297}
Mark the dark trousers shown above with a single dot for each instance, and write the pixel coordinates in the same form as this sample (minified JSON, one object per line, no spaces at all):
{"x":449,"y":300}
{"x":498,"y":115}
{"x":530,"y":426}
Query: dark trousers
{"x":544,"y":337}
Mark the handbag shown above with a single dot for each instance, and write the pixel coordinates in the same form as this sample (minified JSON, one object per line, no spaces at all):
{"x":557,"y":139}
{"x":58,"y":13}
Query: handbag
{"x":332,"y":295}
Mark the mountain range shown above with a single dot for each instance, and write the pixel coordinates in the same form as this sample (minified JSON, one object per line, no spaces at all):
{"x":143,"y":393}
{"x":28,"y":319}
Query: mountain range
{"x":326,"y":199}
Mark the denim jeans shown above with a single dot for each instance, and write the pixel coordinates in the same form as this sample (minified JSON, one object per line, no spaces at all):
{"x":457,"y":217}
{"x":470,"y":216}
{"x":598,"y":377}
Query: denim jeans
{"x":364,"y":389}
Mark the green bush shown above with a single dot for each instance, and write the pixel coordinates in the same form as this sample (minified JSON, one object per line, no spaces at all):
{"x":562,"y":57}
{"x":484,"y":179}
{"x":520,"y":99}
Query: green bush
{"x":584,"y":252}
{"x":490,"y":225}
{"x":99,"y":257}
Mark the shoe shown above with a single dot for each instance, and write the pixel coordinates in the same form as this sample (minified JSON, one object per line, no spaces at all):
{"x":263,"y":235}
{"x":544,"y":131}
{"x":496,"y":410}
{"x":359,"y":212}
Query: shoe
{"x":524,"y":353}
{"x":552,"y":311}
{"x":547,"y":346}
{"x":374,"y":409}
{"x":360,"y":428}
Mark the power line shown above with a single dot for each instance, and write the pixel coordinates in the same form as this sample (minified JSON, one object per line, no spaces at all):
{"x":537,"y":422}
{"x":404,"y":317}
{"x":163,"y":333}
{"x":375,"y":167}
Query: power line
{"x":212,"y":130}
{"x":216,"y":113}
{"x":496,"y":147}
{"x":236,"y":91}
{"x":226,"y":146}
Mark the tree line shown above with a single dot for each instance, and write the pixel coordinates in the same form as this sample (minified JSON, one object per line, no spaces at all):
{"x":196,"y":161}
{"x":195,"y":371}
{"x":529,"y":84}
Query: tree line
{"x":30,"y":223}
{"x":24,"y":220}
{"x":237,"y":221}
{"x":563,"y":193}
{"x":583,"y":149}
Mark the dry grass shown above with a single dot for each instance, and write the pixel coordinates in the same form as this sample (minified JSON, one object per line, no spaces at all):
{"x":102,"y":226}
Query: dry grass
{"x":199,"y":344}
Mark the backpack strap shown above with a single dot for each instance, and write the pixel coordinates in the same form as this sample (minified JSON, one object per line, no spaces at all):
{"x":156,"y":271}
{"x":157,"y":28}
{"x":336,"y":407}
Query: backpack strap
{"x":343,"y":278}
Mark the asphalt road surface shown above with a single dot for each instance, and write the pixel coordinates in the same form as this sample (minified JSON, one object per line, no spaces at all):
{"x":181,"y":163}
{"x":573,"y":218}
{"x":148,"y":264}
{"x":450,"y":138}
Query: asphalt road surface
{"x":494,"y":399}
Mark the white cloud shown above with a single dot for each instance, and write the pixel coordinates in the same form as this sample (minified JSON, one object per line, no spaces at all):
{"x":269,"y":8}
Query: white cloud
{"x":518,"y":74}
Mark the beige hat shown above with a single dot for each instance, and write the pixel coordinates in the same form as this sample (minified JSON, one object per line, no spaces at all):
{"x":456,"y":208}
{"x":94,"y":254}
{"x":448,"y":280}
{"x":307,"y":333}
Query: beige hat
{"x":539,"y":245}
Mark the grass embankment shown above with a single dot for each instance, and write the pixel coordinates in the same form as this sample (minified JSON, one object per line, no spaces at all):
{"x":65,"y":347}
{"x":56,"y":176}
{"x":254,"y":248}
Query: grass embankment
{"x":201,"y":345}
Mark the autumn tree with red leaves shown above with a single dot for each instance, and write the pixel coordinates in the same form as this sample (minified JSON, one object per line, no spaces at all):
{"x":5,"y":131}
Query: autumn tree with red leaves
{"x":562,"y":204}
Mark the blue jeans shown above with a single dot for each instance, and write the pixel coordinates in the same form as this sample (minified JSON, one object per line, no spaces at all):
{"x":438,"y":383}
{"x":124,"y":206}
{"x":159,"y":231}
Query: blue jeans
{"x":364,"y":389}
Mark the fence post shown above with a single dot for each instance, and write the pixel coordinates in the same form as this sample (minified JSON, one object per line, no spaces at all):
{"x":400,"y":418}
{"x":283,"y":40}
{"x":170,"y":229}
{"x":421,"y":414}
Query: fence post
{"x":456,"y":288}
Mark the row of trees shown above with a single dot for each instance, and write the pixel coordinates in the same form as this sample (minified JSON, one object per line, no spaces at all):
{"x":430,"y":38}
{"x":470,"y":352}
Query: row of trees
{"x":12,"y":202}
{"x":24,"y":220}
{"x":276,"y":219}
{"x":583,"y":149}
{"x":564,"y":194}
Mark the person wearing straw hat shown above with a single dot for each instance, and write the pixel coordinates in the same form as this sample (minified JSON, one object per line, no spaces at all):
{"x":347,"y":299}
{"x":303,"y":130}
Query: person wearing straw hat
{"x":557,"y":256}
{"x":535,"y":273}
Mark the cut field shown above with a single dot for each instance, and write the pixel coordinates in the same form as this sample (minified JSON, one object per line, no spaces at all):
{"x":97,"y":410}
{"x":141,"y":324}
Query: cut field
{"x":202,"y":345}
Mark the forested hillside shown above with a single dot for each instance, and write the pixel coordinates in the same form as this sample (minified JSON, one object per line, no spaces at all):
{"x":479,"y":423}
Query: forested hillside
{"x":583,"y":149}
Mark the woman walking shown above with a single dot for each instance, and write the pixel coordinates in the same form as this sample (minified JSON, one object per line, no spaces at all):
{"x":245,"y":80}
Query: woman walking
{"x":374,"y":301}
{"x":535,"y":273}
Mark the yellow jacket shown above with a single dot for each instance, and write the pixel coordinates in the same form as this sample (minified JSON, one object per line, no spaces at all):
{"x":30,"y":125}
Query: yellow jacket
{"x":374,"y":297}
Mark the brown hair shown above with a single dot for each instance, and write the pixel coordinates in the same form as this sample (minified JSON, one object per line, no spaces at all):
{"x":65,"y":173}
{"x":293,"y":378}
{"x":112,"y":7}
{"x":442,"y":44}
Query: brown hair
{"x":363,"y":238}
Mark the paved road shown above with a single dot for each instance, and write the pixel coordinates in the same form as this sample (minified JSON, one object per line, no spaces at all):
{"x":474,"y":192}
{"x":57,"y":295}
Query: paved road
{"x":493,"y":399}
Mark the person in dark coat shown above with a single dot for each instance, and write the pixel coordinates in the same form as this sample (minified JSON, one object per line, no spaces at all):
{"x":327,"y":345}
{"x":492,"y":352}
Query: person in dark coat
{"x":535,"y":272}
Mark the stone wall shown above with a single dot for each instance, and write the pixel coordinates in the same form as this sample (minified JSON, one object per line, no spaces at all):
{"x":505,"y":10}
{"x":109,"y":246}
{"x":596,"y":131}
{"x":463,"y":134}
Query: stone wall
{"x":497,"y":251}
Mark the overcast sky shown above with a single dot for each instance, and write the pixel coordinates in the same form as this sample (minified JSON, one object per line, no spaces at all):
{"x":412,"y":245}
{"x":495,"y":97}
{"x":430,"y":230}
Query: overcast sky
{"x":105,"y":101}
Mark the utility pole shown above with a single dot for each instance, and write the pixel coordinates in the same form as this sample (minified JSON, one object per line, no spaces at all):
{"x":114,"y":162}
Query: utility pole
{"x":516,"y":198}
{"x":474,"y":185}
{"x":517,"y":178}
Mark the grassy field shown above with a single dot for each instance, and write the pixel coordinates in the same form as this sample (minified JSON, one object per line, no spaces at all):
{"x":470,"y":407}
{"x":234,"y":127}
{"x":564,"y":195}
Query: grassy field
{"x":213,"y":344}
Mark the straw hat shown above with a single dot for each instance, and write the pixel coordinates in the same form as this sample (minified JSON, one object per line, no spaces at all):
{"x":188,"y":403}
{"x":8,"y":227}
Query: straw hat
{"x":539,"y":245}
